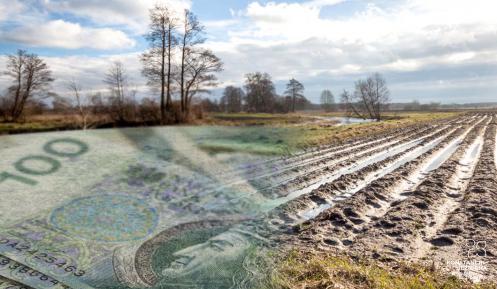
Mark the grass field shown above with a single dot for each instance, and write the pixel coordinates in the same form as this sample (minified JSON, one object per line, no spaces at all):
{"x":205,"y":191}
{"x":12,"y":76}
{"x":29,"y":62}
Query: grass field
{"x":315,"y":271}
{"x":303,"y":131}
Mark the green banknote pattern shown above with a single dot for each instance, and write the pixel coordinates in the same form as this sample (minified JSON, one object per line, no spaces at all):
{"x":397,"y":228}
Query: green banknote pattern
{"x":128,"y":209}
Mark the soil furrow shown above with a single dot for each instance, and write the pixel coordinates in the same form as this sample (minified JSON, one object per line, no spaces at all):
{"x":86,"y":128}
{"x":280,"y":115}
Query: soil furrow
{"x":254,"y":171}
{"x":291,"y":172}
{"x":465,"y":244}
{"x":324,"y":195}
{"x":397,"y":233}
{"x":350,"y":162}
{"x":349,"y":217}
{"x":246,"y":186}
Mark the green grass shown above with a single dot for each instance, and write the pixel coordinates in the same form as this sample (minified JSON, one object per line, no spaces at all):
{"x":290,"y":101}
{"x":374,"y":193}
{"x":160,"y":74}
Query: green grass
{"x":29,"y":127}
{"x":255,"y":119}
{"x":292,"y":132}
{"x":299,"y":270}
{"x":318,"y":134}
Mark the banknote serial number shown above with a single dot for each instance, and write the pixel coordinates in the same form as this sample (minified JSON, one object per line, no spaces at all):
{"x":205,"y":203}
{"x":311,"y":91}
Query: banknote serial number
{"x":26,"y":171}
{"x":18,"y":268}
{"x":42,"y":256}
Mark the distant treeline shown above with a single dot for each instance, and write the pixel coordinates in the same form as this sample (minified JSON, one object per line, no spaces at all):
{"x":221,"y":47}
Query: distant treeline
{"x":259,"y":96}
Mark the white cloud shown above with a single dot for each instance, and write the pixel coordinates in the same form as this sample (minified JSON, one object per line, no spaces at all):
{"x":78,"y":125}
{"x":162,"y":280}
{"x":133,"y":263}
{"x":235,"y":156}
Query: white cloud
{"x":10,"y":9}
{"x":219,"y":24}
{"x":131,"y":13}
{"x":88,"y":71}
{"x":323,"y":3}
{"x":290,"y":39}
{"x":62,"y":34}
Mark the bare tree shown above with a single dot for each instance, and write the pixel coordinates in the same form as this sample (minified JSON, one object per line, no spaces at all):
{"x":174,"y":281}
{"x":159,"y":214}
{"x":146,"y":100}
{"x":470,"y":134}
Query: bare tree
{"x":61,"y":104}
{"x":149,"y":111}
{"x":370,"y":98}
{"x":96,"y":102}
{"x":191,"y":36}
{"x":351,"y":108}
{"x":4,"y":107}
{"x":294,"y":91}
{"x":117,"y":80}
{"x":200,"y":66}
{"x":327,"y":100}
{"x":31,"y":76}
{"x":157,"y":61}
{"x":82,"y":105}
{"x":260,"y":92}
{"x":232,"y":99}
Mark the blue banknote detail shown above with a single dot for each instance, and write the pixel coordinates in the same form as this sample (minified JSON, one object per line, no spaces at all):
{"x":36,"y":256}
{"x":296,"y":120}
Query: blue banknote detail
{"x":106,"y":218}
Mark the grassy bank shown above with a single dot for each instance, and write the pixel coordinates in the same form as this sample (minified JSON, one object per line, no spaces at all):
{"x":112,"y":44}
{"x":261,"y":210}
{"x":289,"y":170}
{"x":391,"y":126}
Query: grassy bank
{"x":319,"y":271}
{"x":319,"y":133}
{"x":255,"y":119}
{"x":282,"y":134}
{"x":268,"y":134}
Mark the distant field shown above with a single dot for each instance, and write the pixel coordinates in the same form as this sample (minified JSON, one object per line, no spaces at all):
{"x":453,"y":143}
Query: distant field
{"x":304,"y":130}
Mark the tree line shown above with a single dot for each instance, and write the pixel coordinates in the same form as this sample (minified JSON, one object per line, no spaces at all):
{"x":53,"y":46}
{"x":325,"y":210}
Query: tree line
{"x":369,"y":99}
{"x":258,"y":95}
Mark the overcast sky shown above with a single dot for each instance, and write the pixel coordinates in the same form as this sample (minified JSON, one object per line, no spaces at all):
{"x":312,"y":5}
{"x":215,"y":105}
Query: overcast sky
{"x":429,"y":50}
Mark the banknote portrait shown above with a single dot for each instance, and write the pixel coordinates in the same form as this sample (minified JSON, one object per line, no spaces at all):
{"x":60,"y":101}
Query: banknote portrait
{"x":210,"y":254}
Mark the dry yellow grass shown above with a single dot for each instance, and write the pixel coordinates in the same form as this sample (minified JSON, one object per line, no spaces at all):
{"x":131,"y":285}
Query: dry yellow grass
{"x":301,"y":270}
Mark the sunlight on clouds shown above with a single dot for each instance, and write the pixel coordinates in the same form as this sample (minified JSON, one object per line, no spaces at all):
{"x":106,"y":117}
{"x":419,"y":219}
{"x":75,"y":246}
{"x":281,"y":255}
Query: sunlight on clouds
{"x":461,"y":57}
{"x":413,"y":29}
{"x":59,"y":33}
{"x":403,"y":65}
{"x":323,"y":3}
{"x":131,"y":13}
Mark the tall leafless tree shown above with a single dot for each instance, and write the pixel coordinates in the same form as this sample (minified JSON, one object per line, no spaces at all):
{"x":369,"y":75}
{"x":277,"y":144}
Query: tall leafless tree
{"x":192,"y":35}
{"x":232,"y":99}
{"x":351,"y":108}
{"x":117,"y":81}
{"x":327,"y":100}
{"x":31,"y":75}
{"x":370,"y":98}
{"x":81,"y":104}
{"x":200,"y":68}
{"x":4,"y":107}
{"x":294,"y":91}
{"x":157,"y":61}
{"x":260,"y":92}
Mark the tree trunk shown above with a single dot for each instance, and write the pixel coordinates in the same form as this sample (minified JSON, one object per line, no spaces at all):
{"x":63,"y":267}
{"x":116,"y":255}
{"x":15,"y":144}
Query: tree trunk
{"x":162,"y":77}
{"x":293,"y":102}
{"x":17,"y":94}
{"x":169,"y":48}
{"x":182,"y":76}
